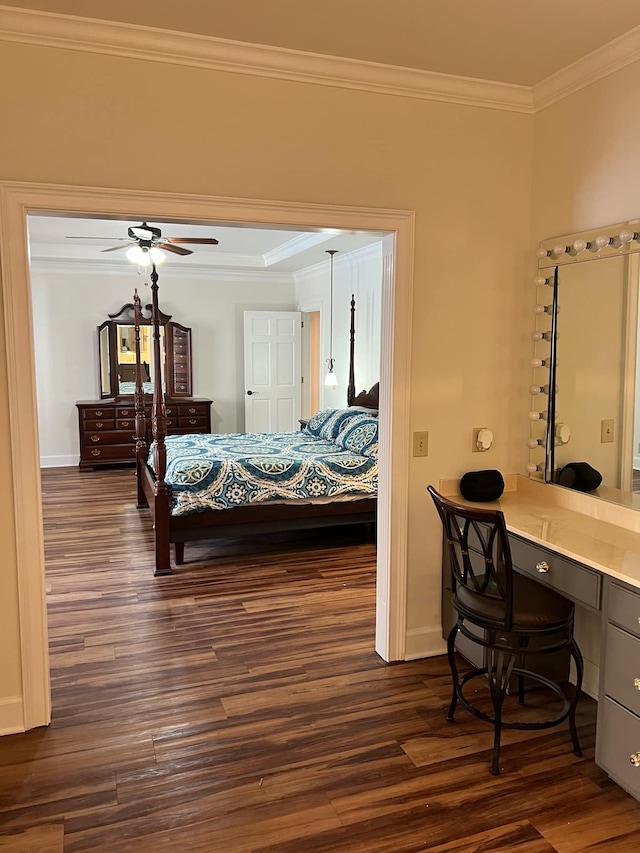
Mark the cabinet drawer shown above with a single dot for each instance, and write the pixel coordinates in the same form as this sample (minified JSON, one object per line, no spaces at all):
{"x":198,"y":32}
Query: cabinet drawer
{"x":93,"y":438}
{"x":126,"y":412}
{"x":126,"y":424}
{"x":624,"y":608}
{"x":622,"y":669}
{"x":618,"y":743}
{"x":577,"y":582}
{"x":108,"y":453}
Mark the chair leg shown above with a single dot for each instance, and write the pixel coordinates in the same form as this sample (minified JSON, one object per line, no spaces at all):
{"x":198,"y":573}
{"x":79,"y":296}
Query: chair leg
{"x":451,"y":654}
{"x":524,"y":643}
{"x":498,"y":682}
{"x":577,"y":657}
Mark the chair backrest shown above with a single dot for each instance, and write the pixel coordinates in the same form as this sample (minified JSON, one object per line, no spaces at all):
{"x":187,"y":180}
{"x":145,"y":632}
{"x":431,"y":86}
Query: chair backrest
{"x":480,"y":560}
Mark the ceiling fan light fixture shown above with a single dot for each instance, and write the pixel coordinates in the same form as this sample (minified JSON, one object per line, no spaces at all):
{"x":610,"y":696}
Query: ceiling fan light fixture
{"x":138,"y":255}
{"x":144,"y":256}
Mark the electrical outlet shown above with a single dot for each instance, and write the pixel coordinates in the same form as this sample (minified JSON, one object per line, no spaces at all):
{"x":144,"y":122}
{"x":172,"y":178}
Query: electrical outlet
{"x":477,"y":447}
{"x":607,"y":430}
{"x":421,"y":444}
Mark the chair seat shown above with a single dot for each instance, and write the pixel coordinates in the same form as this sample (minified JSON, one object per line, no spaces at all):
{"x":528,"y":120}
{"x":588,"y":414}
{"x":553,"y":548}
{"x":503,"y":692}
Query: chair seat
{"x":535,"y":606}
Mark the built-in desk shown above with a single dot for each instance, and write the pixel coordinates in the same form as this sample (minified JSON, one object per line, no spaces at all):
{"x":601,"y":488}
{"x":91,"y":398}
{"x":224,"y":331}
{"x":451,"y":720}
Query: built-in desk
{"x":590,"y":552}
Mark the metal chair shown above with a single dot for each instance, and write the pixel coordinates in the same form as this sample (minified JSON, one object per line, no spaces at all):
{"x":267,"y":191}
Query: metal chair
{"x":508,"y":611}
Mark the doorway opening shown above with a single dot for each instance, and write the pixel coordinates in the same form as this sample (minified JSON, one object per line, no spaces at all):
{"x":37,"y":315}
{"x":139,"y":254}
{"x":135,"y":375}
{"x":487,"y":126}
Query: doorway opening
{"x":21,"y":200}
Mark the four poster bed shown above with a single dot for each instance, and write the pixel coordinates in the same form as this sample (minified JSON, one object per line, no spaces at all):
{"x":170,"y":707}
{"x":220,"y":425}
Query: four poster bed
{"x":222,"y":486}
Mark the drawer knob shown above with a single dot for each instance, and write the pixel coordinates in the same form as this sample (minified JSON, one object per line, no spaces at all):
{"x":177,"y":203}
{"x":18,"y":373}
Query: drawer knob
{"x":124,"y":412}
{"x":192,"y":411}
{"x":95,"y":438}
{"x":99,"y":424}
{"x":634,"y":758}
{"x":636,"y":683}
{"x":193,"y":421}
{"x":98,"y":413}
{"x":543,"y":567}
{"x":96,"y":452}
{"x":125,"y":423}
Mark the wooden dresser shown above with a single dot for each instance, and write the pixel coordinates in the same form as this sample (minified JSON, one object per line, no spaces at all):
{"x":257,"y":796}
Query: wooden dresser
{"x":107,"y":427}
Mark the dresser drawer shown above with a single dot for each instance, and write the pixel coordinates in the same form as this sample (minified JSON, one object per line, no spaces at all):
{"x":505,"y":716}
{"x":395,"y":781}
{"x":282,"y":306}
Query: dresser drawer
{"x":93,"y":438}
{"x":96,"y":426}
{"x":125,"y":412}
{"x":195,"y":422}
{"x":577,"y":582}
{"x":619,"y":745}
{"x":108,"y":453}
{"x":189,"y":409}
{"x":624,"y":608}
{"x":98,"y":413}
{"x":126,"y":424}
{"x":622,"y":669}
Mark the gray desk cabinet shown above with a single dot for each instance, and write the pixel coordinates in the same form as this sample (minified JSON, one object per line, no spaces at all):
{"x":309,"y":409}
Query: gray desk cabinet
{"x":618,"y":726}
{"x":618,"y":731}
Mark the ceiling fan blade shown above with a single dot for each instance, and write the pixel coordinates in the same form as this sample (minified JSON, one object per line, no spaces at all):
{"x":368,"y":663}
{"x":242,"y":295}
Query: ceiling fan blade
{"x":177,"y":250}
{"x":82,"y":237}
{"x":205,"y":241}
{"x":115,"y":248}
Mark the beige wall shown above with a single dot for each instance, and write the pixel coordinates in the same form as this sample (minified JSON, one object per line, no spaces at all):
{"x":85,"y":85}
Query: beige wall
{"x":584,"y":172}
{"x":71,"y":118}
{"x":584,"y":177}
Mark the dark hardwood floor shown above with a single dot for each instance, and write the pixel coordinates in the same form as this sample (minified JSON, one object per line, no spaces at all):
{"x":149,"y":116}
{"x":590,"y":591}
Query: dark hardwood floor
{"x":238,"y":707}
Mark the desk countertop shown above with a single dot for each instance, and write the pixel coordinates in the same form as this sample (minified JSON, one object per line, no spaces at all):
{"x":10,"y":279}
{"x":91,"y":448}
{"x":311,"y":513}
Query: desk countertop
{"x":590,"y":531}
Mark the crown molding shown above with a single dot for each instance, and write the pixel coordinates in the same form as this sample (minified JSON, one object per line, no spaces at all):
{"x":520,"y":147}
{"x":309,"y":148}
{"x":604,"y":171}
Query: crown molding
{"x":70,"y":32}
{"x":73,"y":266}
{"x":27,"y":26}
{"x":602,"y":62}
{"x":352,"y":258}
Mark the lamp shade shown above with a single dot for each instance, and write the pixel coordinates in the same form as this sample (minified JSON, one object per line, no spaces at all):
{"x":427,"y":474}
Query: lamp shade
{"x":331,"y":380}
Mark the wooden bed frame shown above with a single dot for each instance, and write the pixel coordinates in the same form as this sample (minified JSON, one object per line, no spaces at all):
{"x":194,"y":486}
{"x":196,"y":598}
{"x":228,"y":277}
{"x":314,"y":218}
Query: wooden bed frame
{"x":153,"y":491}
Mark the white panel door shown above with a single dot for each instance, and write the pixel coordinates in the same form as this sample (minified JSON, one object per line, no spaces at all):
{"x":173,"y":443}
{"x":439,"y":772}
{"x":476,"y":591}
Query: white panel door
{"x":272,"y":370}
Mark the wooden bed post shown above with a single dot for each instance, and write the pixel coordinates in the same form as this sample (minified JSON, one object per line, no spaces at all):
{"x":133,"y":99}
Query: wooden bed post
{"x":138,"y":402}
{"x":351,"y":387}
{"x":159,"y":433}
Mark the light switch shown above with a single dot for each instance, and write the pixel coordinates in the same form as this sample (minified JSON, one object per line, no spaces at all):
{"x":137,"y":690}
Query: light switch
{"x":607,"y":428}
{"x":421,"y":444}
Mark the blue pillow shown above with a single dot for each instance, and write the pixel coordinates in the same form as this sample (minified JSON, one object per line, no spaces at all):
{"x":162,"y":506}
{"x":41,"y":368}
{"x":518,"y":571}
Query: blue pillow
{"x":360,"y":436}
{"x":329,"y":422}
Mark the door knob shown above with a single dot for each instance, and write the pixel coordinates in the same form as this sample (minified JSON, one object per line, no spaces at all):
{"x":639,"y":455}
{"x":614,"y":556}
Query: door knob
{"x":249,"y":393}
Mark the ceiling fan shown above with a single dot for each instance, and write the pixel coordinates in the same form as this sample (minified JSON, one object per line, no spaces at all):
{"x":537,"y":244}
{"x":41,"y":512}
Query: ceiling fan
{"x":145,"y":244}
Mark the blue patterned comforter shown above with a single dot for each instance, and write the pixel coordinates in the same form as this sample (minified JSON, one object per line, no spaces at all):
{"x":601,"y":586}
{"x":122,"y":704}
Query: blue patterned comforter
{"x":225,"y":471}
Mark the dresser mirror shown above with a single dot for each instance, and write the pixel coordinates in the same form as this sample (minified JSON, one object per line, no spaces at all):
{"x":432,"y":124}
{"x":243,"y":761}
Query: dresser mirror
{"x":117,"y":355}
{"x":585,"y":404}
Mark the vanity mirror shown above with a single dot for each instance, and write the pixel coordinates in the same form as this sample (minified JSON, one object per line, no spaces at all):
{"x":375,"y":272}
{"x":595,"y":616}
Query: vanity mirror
{"x":117,"y":359}
{"x":585,"y":403}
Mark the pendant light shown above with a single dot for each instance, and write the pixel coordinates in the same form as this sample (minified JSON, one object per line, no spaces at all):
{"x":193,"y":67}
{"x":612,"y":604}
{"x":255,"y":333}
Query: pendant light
{"x":331,"y":380}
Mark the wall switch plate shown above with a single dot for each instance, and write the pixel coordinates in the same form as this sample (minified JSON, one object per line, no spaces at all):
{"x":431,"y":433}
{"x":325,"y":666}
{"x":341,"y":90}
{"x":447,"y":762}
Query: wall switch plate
{"x":607,"y":430}
{"x":421,"y":444}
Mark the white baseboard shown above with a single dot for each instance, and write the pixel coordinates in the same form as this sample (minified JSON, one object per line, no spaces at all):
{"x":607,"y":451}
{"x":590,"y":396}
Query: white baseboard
{"x":11,"y":715}
{"x":59,"y":461}
{"x":424,"y":643}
